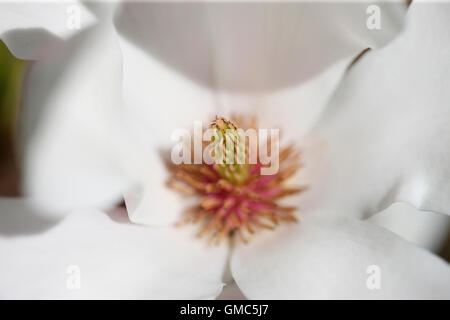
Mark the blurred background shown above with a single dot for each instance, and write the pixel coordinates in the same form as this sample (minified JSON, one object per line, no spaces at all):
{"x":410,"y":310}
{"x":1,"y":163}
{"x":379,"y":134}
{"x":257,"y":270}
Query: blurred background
{"x":11,"y":79}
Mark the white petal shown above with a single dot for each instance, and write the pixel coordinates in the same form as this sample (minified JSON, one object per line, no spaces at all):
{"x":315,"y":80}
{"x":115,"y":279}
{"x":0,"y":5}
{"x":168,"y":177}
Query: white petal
{"x":255,"y":47}
{"x":294,"y":110}
{"x":25,"y":219}
{"x":331,"y":259}
{"x":30,"y":29}
{"x":70,"y":113}
{"x":158,"y":99}
{"x":428,"y":230}
{"x":386,"y":133}
{"x":154,"y":204}
{"x":114,"y":259}
{"x":253,"y":55}
{"x":84,"y":147}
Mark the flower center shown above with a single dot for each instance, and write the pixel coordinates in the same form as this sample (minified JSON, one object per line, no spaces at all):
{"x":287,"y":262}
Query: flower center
{"x":235,"y":198}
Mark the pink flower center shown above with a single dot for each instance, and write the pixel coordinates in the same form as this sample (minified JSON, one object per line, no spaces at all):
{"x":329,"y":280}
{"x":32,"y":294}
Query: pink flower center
{"x":236,"y":199}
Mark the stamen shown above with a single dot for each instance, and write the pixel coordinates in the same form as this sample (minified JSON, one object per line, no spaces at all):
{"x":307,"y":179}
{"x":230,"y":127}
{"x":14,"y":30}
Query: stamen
{"x":236,"y":198}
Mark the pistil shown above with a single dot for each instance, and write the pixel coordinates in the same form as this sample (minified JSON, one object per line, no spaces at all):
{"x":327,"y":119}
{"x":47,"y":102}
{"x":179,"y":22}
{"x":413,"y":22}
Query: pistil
{"x":234,"y":198}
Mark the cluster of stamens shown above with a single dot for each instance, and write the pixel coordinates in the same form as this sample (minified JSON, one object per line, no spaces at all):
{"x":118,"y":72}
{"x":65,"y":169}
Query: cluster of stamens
{"x":236,"y":198}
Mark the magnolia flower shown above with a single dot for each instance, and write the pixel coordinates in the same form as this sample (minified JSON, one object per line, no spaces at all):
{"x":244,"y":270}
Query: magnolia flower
{"x":99,"y":109}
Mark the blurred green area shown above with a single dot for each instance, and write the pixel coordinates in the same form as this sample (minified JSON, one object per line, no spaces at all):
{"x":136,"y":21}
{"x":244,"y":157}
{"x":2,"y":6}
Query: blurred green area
{"x":11,"y":79}
{"x":11,"y":75}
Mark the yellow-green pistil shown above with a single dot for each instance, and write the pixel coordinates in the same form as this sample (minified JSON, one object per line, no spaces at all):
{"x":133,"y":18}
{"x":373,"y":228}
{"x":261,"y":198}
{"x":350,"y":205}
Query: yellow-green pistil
{"x":234,"y":198}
